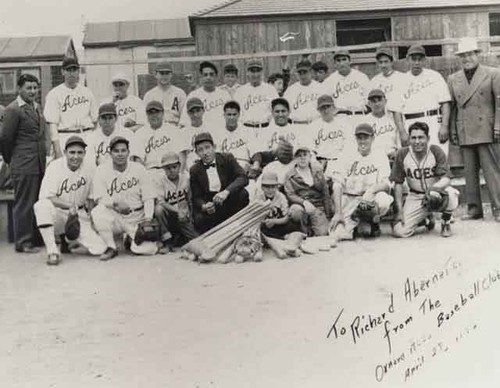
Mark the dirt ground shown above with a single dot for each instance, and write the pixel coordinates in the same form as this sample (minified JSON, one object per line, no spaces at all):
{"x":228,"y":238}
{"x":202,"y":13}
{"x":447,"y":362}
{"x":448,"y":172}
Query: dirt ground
{"x":164,"y":322}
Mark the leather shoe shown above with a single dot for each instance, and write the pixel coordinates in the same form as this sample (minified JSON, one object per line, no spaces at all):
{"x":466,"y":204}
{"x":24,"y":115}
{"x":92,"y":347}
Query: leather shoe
{"x":27,"y":249}
{"x":109,"y":254}
{"x":468,"y":217}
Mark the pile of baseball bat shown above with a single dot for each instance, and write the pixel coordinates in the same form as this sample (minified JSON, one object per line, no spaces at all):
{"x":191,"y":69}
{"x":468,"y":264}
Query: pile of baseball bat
{"x":208,"y":246}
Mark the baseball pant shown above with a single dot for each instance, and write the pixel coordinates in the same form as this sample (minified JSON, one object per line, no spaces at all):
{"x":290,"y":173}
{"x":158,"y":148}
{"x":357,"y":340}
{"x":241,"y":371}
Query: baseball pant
{"x":109,"y":222}
{"x":314,"y":224}
{"x":26,"y":188}
{"x":487,"y":158}
{"x":349,"y":205}
{"x":170,"y":225}
{"x":434,"y":124}
{"x":414,"y":212}
{"x":51,"y":221}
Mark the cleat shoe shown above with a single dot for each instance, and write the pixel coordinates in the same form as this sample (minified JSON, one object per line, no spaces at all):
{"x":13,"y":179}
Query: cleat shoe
{"x":109,"y":254}
{"x":127,"y":243}
{"x":53,"y":259}
{"x":375,"y":230}
{"x":445,"y":229}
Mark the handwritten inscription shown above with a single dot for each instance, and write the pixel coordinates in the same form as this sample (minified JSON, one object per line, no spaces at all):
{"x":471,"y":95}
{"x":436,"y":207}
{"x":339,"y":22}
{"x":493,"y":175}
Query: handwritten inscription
{"x":344,"y":88}
{"x":73,"y":101}
{"x":67,"y":188}
{"x":116,"y":188}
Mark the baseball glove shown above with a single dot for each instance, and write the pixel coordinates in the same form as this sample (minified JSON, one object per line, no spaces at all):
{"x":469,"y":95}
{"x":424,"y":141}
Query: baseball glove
{"x":435,"y":200}
{"x":147,"y":231}
{"x":72,"y":227}
{"x":366,"y":211}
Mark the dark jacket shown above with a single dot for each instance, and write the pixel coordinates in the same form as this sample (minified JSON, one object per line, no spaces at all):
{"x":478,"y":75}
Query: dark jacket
{"x":24,"y":139}
{"x":231,"y":174}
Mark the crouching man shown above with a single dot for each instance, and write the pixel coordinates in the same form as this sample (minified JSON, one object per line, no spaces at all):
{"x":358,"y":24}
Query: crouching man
{"x":364,"y":185}
{"x":125,"y":198}
{"x":426,"y":172}
{"x":65,"y":190}
{"x":173,"y":200}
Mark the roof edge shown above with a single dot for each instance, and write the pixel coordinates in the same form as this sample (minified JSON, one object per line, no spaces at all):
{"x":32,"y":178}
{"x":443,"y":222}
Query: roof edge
{"x":214,"y":8}
{"x":142,"y":42}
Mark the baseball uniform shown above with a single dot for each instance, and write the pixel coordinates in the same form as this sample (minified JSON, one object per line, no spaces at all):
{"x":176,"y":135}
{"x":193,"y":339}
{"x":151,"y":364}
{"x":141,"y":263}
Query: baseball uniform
{"x":98,"y":145}
{"x":267,"y":139}
{"x":130,"y":107}
{"x":302,"y":99}
{"x":420,"y":176}
{"x":328,"y":139}
{"x":173,"y":100}
{"x":420,"y":101}
{"x":214,"y":106}
{"x":236,"y":142}
{"x":391,"y":85}
{"x":73,"y":110}
{"x":386,"y":133}
{"x":255,"y":102}
{"x":349,"y":92}
{"x":73,"y":188}
{"x":231,"y":90}
{"x":133,"y":187}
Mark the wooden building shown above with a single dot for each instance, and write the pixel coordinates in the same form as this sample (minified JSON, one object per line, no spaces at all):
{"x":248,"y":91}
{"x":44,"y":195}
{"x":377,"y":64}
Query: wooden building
{"x":41,"y":56}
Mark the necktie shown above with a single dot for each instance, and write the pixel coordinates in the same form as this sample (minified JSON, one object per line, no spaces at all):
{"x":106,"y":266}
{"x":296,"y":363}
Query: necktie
{"x":207,"y":166}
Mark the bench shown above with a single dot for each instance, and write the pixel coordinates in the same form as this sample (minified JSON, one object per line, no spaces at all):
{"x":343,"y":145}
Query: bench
{"x":6,"y":219}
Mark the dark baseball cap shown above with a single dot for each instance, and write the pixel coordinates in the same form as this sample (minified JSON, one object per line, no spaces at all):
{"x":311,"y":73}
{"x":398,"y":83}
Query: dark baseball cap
{"x":72,"y":140}
{"x":324,"y":100}
{"x":319,"y":65}
{"x":304,"y":65}
{"x":387,"y":51}
{"x":364,"y":129}
{"x":107,"y":109}
{"x":202,"y":137}
{"x":416,"y":49}
{"x":154,"y":106}
{"x":164,"y":66}
{"x":376,"y":93}
{"x":70,"y":62}
{"x":118,"y":140}
{"x":194,"y":102}
{"x":255,"y":64}
{"x":230,"y":69}
{"x":341,"y":53}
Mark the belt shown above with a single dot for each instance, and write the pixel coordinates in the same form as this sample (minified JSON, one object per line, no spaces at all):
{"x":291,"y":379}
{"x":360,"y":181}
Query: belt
{"x":432,"y":112}
{"x":350,"y":113}
{"x":416,"y":192}
{"x":262,"y":125}
{"x":300,"y":121}
{"x":74,"y":130}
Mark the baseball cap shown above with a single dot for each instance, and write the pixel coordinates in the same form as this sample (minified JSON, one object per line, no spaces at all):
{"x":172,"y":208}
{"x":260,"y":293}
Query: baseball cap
{"x":325,"y":99}
{"x":303,"y":65}
{"x":376,"y":93}
{"x":280,"y":101}
{"x":72,"y":140}
{"x":255,"y":63}
{"x":107,"y":109}
{"x":69,"y":62}
{"x":154,"y":105}
{"x":319,"y":65}
{"x":117,"y":77}
{"x":416,"y":49}
{"x":164,"y":66}
{"x":269,"y":178}
{"x":341,"y":53}
{"x":117,"y":140}
{"x":230,"y":69}
{"x":301,"y":147}
{"x":364,"y":129}
{"x":194,"y":102}
{"x":384,"y":51}
{"x":202,"y":137}
{"x":169,"y":158}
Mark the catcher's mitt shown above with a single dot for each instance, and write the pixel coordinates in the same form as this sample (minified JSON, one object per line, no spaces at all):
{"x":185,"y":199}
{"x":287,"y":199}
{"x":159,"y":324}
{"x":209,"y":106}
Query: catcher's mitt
{"x":435,"y":200}
{"x":366,"y":211}
{"x":72,"y":227}
{"x":147,"y":231}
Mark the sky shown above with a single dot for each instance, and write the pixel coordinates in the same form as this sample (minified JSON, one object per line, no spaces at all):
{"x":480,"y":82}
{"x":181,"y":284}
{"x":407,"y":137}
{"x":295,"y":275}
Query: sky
{"x":67,"y":17}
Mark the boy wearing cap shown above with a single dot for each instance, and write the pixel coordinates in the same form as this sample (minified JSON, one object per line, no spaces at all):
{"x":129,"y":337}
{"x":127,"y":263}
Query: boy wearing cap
{"x":217,"y":185}
{"x":99,"y":139}
{"x":130,"y":109}
{"x":170,"y":96}
{"x":173,"y":204}
{"x":213,"y":98}
{"x":320,"y":71}
{"x":125,"y":196}
{"x":70,"y":108}
{"x":254,"y":98}
{"x":425,"y":98}
{"x":231,"y":83}
{"x":65,"y":190}
{"x":364,"y":184}
{"x":302,"y":95}
{"x":307,"y":192}
{"x":195,"y":110}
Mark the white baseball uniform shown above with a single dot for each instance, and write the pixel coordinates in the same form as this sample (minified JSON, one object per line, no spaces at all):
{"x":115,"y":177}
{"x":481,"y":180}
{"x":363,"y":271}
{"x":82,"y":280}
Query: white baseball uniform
{"x":303,"y":101}
{"x":386,"y":133}
{"x":236,"y":142}
{"x":231,"y":90}
{"x":190,"y":133}
{"x":267,"y":139}
{"x":73,"y":188}
{"x":391,"y":85}
{"x":130,"y":107}
{"x":328,"y":139}
{"x":98,"y":150}
{"x":255,"y":102}
{"x":73,"y":110}
{"x":349,"y":92}
{"x":213,"y":103}
{"x":133,"y":187}
{"x":173,"y":100}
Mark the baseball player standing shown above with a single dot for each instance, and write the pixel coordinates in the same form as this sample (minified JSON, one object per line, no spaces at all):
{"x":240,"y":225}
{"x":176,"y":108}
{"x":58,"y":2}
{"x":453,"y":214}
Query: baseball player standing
{"x":425,"y":98}
{"x":70,"y":108}
{"x":130,"y":109}
{"x":231,"y":83}
{"x":302,"y":95}
{"x":171,"y":97}
{"x":125,"y":197}
{"x":65,"y":190}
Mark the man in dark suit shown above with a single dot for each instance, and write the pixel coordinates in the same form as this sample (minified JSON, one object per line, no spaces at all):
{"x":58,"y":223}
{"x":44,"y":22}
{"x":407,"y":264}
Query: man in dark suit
{"x":475,"y":126}
{"x":217,"y":185}
{"x":24,"y":145}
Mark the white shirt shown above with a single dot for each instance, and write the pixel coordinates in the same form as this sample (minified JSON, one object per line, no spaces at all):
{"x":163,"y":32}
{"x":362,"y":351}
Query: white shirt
{"x":279,"y":168}
{"x":214,"y":106}
{"x":213,"y":179}
{"x":98,"y":150}
{"x":173,"y":100}
{"x":349,"y":92}
{"x":255,"y":102}
{"x":236,"y":142}
{"x":70,"y":108}
{"x":175,"y":194}
{"x":303,"y":101}
{"x":231,"y":90}
{"x":131,"y":107}
{"x":328,"y":140}
{"x":391,"y":85}
{"x":386,"y":134}
{"x":268,"y":138}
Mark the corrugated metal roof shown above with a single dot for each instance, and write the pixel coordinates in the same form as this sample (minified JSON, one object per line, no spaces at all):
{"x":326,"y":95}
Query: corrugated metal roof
{"x":34,"y":48}
{"x":281,"y":7}
{"x":136,"y":32}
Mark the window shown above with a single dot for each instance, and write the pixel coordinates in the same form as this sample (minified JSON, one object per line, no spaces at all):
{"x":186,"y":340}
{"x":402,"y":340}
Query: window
{"x":435,"y":50}
{"x":494,"y":24}
{"x":7,"y":81}
{"x":353,"y":32}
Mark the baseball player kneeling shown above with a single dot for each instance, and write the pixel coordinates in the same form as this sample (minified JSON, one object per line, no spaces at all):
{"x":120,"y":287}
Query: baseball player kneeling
{"x":125,"y":200}
{"x":63,"y":195}
{"x":425,"y":170}
{"x":364,"y":180}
